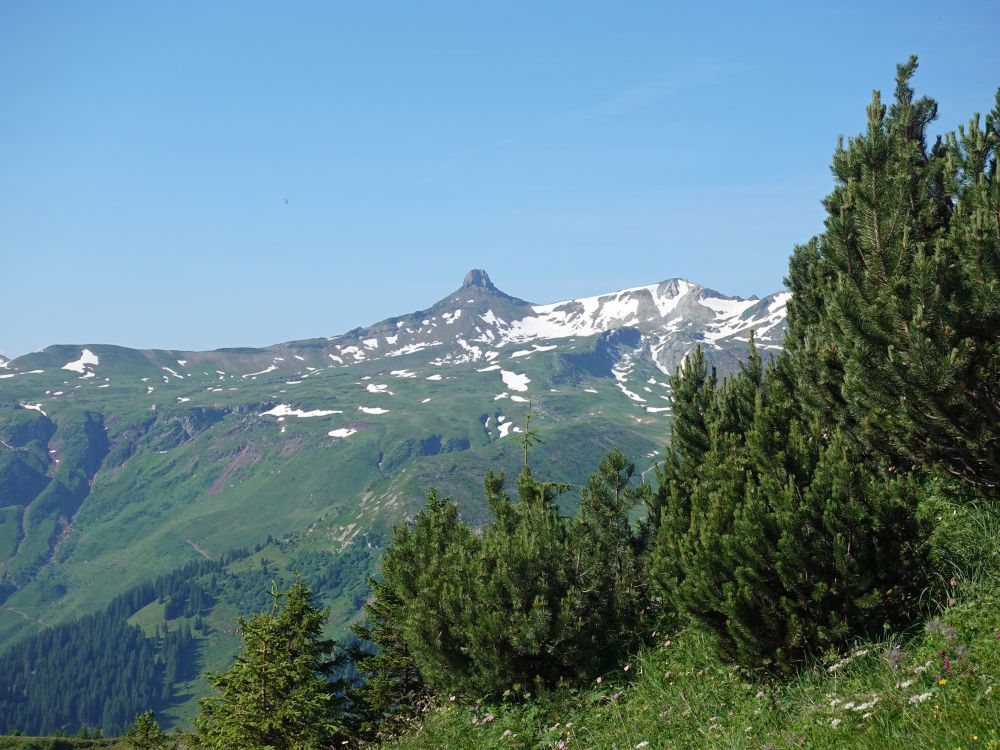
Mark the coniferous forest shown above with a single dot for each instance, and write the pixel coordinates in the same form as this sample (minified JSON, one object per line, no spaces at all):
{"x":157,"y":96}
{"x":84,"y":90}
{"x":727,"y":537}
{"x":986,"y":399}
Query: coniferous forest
{"x":815,"y":562}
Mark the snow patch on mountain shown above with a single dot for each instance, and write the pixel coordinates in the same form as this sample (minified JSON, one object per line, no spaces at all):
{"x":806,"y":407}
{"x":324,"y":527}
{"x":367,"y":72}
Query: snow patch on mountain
{"x":514,"y":381}
{"x":342,"y":432}
{"x":592,"y":315}
{"x":621,"y":373}
{"x":87,"y":357}
{"x":412,"y":348}
{"x":727,"y":308}
{"x":286,"y":410}
{"x":270,"y":368}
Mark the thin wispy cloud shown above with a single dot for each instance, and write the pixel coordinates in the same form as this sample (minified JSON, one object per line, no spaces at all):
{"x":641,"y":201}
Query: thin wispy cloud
{"x":693,"y":74}
{"x":443,"y":166}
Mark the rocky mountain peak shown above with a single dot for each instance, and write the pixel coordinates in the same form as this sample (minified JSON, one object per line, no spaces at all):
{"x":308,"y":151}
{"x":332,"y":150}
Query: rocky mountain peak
{"x":479,"y":278}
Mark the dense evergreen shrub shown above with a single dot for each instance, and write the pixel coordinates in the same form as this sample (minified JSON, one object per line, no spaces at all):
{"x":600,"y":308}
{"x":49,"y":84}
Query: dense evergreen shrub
{"x":786,"y":543}
{"x":896,"y":306}
{"x":538,"y":598}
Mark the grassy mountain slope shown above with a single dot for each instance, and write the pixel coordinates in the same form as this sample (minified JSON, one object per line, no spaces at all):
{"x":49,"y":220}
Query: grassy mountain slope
{"x":678,"y":695}
{"x":118,"y":465}
{"x":935,"y":686}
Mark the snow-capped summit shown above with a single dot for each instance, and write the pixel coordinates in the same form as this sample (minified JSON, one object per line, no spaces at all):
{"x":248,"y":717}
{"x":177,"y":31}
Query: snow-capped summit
{"x":477,"y":321}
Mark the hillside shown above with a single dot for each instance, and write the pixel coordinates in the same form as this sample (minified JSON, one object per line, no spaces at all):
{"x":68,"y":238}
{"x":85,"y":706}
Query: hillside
{"x":119,"y":465}
{"x":936,"y":688}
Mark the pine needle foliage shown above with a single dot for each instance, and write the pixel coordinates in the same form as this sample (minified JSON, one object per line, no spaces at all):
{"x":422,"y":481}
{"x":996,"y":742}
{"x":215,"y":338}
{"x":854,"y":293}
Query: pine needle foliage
{"x":668,"y":518}
{"x":537,"y":599}
{"x":391,"y":690}
{"x":426,"y":568}
{"x":785,"y":544}
{"x":896,"y":306}
{"x":795,"y":526}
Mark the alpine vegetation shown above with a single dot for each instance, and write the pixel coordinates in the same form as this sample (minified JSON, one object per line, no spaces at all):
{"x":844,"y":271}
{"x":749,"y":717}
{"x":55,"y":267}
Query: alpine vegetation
{"x":802,"y":501}
{"x":815,"y":563}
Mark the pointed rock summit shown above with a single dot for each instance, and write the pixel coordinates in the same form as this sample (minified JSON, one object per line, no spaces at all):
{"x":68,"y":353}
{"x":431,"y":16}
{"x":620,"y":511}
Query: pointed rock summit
{"x":478,"y":277}
{"x":479,"y":289}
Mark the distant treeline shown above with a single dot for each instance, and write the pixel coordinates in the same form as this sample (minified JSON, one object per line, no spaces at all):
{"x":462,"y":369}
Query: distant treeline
{"x":100,"y":671}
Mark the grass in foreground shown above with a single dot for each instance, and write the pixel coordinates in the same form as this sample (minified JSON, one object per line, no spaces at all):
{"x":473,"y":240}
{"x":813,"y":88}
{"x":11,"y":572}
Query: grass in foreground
{"x":939,"y":689}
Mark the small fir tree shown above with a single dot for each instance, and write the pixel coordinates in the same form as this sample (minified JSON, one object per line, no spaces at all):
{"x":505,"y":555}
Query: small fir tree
{"x":145,"y":733}
{"x":278,"y":694}
{"x":608,"y":570}
{"x":692,"y":395}
{"x":391,"y":691}
{"x":668,"y":511}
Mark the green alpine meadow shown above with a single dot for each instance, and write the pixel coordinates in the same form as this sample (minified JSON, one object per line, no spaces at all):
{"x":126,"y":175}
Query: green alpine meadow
{"x":662,"y":516}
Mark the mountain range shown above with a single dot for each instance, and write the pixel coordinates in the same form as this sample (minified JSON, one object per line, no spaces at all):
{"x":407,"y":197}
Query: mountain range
{"x":118,"y":465}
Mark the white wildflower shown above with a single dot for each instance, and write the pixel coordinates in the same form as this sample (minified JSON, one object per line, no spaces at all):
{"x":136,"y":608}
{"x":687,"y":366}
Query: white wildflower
{"x":923,"y":667}
{"x":865,"y":706}
{"x":920,"y":698}
{"x":843,"y":662}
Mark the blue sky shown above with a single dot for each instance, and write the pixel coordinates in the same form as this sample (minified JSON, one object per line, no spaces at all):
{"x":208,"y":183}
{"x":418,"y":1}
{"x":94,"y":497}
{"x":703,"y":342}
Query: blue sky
{"x":147,"y":150}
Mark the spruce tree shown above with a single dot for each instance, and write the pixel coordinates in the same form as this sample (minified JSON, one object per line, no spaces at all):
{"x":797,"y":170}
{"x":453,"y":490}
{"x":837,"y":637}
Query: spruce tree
{"x":278,"y":694}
